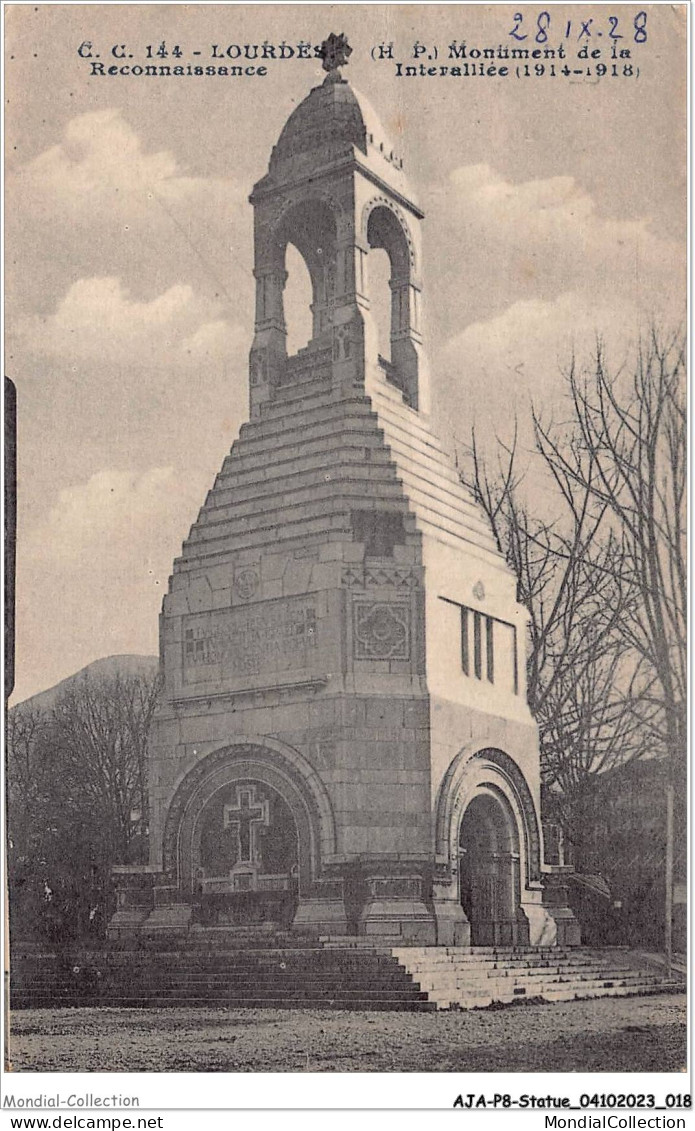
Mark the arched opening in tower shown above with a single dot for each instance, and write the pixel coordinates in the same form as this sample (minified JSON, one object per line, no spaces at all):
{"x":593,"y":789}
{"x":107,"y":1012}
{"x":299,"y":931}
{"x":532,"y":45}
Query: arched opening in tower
{"x":297,"y":301}
{"x":380,"y":299}
{"x":306,"y":247}
{"x":386,"y":235}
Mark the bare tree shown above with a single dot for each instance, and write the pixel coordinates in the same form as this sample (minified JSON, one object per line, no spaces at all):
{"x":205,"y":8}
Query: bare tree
{"x":99,"y":729}
{"x":604,"y":579}
{"x":626,"y":448}
{"x":77,"y":798}
{"x":570,"y":577}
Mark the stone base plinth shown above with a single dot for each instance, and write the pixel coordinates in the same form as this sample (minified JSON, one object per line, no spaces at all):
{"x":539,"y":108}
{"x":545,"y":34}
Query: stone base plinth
{"x":169,"y":919}
{"x":567,"y":926}
{"x":409,"y":921}
{"x":126,"y":923}
{"x":556,"y":904}
{"x":135,"y":899}
{"x":395,"y":909}
{"x":320,"y":917}
{"x":453,"y":928}
{"x":542,"y":926}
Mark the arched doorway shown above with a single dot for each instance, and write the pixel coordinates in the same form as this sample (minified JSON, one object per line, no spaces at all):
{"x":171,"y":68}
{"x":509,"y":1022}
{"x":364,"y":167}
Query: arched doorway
{"x":489,"y":872}
{"x":245,"y":855}
{"x":245,"y":834}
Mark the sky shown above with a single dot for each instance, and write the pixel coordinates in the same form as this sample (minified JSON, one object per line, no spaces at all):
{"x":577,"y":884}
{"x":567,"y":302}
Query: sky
{"x":555,"y":210}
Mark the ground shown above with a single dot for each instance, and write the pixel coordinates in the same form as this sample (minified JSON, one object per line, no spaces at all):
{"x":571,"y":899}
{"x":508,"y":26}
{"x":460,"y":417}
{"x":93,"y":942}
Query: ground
{"x":606,"y":1035}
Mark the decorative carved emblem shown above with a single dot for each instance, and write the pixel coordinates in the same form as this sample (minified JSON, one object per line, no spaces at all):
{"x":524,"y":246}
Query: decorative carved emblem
{"x":381,"y":631}
{"x":479,"y":590}
{"x":335,"y":52}
{"x":246,"y":583}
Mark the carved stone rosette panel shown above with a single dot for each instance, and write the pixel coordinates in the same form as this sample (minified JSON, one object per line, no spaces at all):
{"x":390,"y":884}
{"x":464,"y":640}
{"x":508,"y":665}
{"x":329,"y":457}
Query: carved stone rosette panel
{"x":381,"y":630}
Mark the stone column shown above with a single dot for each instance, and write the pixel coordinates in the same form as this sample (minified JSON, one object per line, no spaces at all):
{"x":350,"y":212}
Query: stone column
{"x":406,"y":339}
{"x":269,"y":349}
{"x":350,"y":328}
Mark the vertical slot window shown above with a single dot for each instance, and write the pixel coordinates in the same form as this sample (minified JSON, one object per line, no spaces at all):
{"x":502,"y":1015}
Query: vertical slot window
{"x":477,"y":646}
{"x":465,"y":650}
{"x":490,"y":648}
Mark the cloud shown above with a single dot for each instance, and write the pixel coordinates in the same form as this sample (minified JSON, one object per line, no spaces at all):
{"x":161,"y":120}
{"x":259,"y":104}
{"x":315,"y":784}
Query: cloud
{"x":101,"y":203}
{"x":497,"y":368}
{"x":106,"y":515}
{"x":534,"y":338}
{"x":92,"y":572}
{"x":539,"y":274}
{"x":98,"y":320}
{"x":538,"y":239}
{"x":101,"y":158}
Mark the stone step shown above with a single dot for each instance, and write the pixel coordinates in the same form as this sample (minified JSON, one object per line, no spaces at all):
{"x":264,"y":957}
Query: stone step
{"x":293,"y":423}
{"x":309,"y":992}
{"x":235,"y":536}
{"x":387,"y":402}
{"x":350,"y":463}
{"x":311,"y":386}
{"x":469,"y":970}
{"x":224,"y":554}
{"x":557,"y":995}
{"x":468,"y":978}
{"x":318,"y":454}
{"x":413,"y":431}
{"x":378,"y":479}
{"x":499,"y":990}
{"x":154,"y":1002}
{"x":286,"y":976}
{"x":338,"y":486}
{"x":387,"y":979}
{"x":484,"y":952}
{"x":302,"y":396}
{"x":425,"y":978}
{"x":232,"y":963}
{"x":313,"y":515}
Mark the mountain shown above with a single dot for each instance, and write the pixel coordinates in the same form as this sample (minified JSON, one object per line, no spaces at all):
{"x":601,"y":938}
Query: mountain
{"x":107,"y":666}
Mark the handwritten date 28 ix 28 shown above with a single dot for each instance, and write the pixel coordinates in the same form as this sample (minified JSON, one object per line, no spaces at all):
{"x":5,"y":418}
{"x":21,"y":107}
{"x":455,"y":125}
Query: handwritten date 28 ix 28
{"x":619,"y":27}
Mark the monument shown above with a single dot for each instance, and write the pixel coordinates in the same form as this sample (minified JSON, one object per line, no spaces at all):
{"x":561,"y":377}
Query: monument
{"x":343,"y":744}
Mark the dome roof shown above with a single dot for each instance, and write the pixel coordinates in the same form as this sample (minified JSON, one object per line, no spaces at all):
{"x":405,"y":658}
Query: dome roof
{"x":333,"y":116}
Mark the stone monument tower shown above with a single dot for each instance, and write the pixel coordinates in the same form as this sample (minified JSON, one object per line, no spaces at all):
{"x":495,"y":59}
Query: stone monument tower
{"x":343,"y":742}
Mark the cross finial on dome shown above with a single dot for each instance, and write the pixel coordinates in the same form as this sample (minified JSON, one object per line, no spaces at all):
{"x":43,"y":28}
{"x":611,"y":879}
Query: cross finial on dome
{"x":335,"y":52}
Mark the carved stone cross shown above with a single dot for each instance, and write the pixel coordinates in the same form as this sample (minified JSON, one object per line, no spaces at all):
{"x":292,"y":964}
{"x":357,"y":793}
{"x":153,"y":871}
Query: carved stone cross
{"x":245,"y":817}
{"x":335,"y":52}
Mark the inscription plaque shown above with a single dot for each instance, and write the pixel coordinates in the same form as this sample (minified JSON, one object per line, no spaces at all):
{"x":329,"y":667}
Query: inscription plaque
{"x":277,"y":637}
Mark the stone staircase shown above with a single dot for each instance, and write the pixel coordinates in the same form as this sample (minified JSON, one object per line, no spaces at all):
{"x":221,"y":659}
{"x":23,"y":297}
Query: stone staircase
{"x":474,"y":978}
{"x":296,"y":977}
{"x":232,"y":969}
